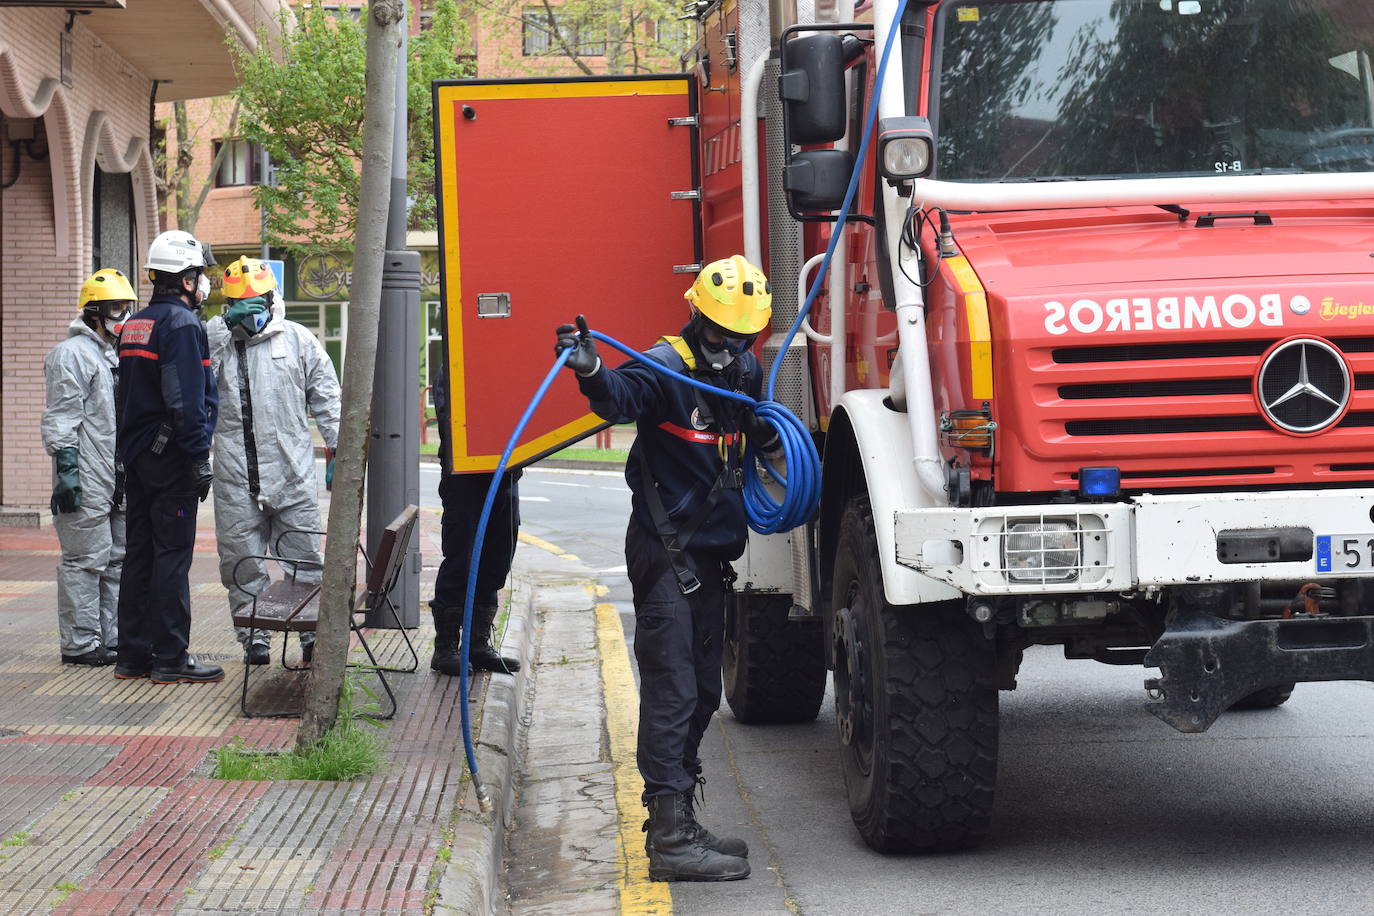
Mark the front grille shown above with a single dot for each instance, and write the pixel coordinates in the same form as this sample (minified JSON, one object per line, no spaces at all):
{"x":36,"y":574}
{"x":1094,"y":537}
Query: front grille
{"x":1123,"y":404}
{"x":1218,"y":349}
{"x":1184,"y":388}
{"x":1154,"y":426}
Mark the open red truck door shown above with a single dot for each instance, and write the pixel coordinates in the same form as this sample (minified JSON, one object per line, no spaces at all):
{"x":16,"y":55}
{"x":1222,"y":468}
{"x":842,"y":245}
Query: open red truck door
{"x":556,"y":197}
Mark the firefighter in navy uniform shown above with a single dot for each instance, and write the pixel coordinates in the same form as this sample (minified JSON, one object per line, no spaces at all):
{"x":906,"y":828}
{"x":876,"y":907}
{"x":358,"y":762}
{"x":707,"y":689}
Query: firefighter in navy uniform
{"x":168,"y":403}
{"x":687,"y":522}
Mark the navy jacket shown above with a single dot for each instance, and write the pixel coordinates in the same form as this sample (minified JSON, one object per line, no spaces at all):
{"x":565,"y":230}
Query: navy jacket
{"x":681,"y":447}
{"x":165,"y":377}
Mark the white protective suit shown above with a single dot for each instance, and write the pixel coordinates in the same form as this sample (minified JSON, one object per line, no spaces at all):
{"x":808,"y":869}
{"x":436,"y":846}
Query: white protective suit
{"x":265,"y":482}
{"x":80,"y":414}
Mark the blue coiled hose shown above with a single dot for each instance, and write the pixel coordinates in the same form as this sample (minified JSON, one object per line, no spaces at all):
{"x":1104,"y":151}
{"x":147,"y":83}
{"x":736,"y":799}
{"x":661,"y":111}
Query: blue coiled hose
{"x":801,"y":481}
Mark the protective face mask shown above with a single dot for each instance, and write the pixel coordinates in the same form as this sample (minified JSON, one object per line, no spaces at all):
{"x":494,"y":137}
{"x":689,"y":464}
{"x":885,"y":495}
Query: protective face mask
{"x":202,"y":289}
{"x":716,"y":357}
{"x":114,"y":325}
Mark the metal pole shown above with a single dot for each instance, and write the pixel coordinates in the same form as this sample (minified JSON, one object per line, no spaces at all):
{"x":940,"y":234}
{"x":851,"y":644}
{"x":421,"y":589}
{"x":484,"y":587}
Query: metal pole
{"x":394,"y":463}
{"x":264,"y":166}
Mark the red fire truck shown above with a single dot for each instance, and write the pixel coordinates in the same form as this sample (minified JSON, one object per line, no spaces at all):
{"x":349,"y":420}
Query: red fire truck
{"x":1091,"y":363}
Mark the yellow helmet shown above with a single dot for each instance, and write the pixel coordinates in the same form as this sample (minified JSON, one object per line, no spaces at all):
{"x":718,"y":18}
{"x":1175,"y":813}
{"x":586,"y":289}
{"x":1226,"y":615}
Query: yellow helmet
{"x":106,"y":285}
{"x":734,"y":295}
{"x":247,"y":278}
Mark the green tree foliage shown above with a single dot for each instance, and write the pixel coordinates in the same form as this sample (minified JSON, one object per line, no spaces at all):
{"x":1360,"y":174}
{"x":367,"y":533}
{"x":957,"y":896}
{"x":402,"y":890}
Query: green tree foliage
{"x":302,"y":99}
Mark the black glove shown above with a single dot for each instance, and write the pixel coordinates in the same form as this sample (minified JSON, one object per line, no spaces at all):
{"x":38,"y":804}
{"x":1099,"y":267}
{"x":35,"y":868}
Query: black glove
{"x":66,"y":491}
{"x":761,"y":434}
{"x":204,"y":477}
{"x":117,"y":498}
{"x":583,"y":360}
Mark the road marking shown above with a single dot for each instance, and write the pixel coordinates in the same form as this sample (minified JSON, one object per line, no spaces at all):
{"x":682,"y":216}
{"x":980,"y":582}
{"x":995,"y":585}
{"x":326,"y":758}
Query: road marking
{"x":614,"y":569}
{"x":551,"y":548}
{"x":578,"y":472}
{"x":534,"y":499}
{"x":555,"y":483}
{"x":638,"y":895}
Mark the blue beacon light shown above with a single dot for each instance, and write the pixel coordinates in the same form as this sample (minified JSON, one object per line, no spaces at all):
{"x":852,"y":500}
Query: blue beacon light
{"x":1099,"y":481}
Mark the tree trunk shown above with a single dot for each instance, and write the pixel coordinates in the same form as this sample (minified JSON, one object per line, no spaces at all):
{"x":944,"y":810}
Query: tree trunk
{"x":386,"y":19}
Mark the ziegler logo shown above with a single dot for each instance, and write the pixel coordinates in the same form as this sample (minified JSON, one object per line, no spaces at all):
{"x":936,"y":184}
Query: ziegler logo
{"x":1169,"y":313}
{"x":1331,"y":310}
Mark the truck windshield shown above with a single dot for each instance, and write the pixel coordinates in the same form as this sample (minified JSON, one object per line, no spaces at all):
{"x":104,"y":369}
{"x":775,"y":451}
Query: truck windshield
{"x":1062,"y":89}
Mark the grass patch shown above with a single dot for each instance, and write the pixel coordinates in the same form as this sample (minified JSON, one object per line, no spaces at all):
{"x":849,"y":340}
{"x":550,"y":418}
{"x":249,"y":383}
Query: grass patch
{"x":348,"y":750}
{"x":19,"y":839}
{"x":609,"y":455}
{"x":574,"y":453}
{"x":65,"y":889}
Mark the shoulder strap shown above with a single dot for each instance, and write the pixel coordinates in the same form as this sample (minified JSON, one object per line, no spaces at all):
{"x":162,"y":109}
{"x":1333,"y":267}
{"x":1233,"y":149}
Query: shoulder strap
{"x":683,"y":349}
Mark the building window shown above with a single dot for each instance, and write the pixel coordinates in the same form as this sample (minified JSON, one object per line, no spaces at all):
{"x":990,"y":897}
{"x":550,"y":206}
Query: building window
{"x":541,"y":25}
{"x":328,"y":321}
{"x":674,"y":35}
{"x":239,"y":165}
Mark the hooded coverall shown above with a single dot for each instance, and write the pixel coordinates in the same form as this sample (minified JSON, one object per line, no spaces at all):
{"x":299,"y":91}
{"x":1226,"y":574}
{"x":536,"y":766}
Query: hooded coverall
{"x":265,"y":483}
{"x":80,"y":373}
{"x":680,"y":438}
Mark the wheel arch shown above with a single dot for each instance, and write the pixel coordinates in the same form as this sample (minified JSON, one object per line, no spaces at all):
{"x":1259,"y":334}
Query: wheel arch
{"x":867,"y":441}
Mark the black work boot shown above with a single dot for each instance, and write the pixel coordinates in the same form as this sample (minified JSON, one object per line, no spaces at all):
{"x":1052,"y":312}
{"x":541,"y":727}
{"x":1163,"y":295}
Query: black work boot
{"x":725,"y":845}
{"x":192,"y":672}
{"x":676,"y":852}
{"x":480,"y":653}
{"x":445,"y":658}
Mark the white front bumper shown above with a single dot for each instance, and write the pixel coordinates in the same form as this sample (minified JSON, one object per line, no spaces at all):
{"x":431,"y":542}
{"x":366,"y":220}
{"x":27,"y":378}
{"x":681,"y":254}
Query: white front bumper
{"x":1148,"y":541}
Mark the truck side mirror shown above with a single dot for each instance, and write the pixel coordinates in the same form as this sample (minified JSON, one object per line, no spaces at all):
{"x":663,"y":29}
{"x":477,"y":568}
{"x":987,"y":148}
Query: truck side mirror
{"x":812,"y":88}
{"x":815,"y":180}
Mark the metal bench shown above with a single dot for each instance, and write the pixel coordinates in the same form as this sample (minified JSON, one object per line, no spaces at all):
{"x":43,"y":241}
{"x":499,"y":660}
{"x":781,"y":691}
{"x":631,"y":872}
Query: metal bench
{"x":290,"y":606}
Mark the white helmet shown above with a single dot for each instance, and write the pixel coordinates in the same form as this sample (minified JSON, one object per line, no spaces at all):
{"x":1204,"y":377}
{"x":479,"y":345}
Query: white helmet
{"x":176,"y":250}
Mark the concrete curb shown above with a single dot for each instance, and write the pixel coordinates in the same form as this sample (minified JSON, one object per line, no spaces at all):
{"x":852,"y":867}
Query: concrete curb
{"x":470,"y":884}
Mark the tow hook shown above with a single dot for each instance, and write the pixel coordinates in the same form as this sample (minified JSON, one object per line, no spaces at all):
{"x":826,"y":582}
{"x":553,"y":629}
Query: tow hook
{"x":1308,"y":601}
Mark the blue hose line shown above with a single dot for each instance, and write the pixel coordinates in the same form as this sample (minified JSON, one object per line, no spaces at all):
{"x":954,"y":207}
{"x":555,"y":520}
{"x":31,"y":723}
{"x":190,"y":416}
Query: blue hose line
{"x":844,"y":208}
{"x":465,"y":649}
{"x":801,"y":481}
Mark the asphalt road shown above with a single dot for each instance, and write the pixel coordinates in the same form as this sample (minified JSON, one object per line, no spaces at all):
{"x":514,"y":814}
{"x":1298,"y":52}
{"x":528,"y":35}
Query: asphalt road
{"x":1101,"y":807}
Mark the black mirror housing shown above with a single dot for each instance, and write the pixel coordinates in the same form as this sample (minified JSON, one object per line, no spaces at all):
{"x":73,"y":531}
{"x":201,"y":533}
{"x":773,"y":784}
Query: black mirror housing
{"x":816,"y":180}
{"x":812,"y":88}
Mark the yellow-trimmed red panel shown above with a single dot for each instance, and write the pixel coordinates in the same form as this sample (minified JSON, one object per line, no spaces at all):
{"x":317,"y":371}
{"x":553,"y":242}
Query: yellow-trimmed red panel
{"x":556,"y":192}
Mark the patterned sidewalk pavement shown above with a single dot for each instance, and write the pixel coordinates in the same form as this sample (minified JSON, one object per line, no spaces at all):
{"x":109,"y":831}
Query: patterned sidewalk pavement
{"x":106,"y":801}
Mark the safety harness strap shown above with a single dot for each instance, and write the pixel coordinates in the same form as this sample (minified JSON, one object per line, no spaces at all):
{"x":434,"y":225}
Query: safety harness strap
{"x":250,"y":443}
{"x":674,"y":541}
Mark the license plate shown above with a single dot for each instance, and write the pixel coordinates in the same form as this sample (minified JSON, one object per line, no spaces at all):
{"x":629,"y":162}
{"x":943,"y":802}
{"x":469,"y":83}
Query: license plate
{"x":1344,"y":553}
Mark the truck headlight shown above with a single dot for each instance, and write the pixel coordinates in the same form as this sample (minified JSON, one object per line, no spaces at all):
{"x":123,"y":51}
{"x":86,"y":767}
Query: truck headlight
{"x":1041,"y":550}
{"x":906,"y":149}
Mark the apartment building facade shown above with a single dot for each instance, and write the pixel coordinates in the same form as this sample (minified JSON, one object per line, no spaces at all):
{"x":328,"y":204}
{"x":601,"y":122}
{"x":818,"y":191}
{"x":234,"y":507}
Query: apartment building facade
{"x":79,"y":80}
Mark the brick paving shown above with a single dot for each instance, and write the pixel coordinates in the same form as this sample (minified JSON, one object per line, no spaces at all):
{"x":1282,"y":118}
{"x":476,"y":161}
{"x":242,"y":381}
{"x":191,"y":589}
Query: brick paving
{"x":106,"y":800}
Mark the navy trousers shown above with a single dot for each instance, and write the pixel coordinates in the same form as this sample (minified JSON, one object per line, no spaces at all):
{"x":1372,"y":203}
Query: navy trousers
{"x":160,"y":537}
{"x":462,"y":496}
{"x":678,"y":643}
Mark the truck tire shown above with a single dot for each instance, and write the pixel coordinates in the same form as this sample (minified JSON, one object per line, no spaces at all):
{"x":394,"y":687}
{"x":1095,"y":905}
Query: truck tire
{"x":774,"y":668}
{"x":1268,"y":698}
{"x":916,"y":704}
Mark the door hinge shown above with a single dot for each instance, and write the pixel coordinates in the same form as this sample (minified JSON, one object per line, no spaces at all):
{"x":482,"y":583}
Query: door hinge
{"x":686,"y":268}
{"x":688,"y":121}
{"x":694,"y":194}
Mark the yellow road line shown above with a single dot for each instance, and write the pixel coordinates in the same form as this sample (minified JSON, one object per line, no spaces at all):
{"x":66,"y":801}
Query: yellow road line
{"x":545,"y":545}
{"x":638,"y":895}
